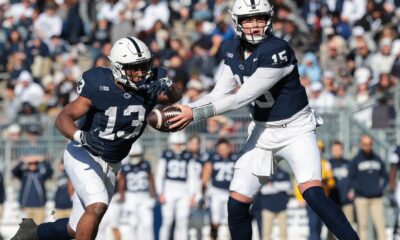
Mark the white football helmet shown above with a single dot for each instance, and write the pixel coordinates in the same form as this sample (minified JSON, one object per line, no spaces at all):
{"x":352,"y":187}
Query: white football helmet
{"x":248,"y":8}
{"x":136,"y":153}
{"x":129,"y":54}
{"x":177,"y":138}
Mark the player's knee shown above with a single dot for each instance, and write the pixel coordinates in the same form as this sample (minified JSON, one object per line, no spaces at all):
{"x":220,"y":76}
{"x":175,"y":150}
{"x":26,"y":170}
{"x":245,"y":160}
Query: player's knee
{"x":96,"y":209}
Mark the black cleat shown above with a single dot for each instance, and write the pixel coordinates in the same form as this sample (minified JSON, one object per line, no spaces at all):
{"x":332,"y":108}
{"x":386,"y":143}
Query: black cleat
{"x":27,"y":230}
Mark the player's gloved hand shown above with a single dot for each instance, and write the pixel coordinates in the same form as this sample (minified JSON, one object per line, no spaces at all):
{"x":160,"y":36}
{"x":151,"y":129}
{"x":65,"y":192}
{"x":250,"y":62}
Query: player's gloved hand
{"x":162,"y":85}
{"x":90,"y":140}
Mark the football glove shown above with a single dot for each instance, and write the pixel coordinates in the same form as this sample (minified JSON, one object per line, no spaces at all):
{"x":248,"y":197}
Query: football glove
{"x":162,"y":85}
{"x":91,"y":142}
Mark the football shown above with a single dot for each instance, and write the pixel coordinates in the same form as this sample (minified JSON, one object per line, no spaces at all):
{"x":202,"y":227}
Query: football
{"x":159,"y":117}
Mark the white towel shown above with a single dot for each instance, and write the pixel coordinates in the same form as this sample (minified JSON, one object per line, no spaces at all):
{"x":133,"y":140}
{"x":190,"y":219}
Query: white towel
{"x":263,"y":163}
{"x":318,"y":119}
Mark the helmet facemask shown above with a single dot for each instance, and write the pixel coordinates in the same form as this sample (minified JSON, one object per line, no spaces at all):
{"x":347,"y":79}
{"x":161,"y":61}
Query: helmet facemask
{"x":134,"y":76}
{"x":256,"y":10}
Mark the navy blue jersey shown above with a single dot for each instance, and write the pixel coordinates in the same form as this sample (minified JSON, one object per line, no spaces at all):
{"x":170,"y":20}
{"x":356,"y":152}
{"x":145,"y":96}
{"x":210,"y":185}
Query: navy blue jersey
{"x":222,"y":170}
{"x":287,"y":96}
{"x":340,"y":169}
{"x":176,"y":165}
{"x":137,"y":176}
{"x":367,"y":175}
{"x":202,"y":158}
{"x":120,"y":115}
{"x":62,"y":199}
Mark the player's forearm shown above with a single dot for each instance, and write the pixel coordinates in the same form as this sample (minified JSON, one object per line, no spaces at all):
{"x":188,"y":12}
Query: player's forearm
{"x":66,"y":124}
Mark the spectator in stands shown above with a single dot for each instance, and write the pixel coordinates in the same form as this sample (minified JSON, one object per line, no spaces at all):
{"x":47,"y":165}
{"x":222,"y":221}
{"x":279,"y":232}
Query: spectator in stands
{"x":274,"y":197}
{"x":374,"y":18}
{"x":14,"y":44}
{"x":368,"y":179}
{"x":38,"y":57}
{"x":362,"y":55}
{"x":156,"y":10}
{"x":310,"y":67}
{"x":110,"y":10}
{"x":383,"y":114}
{"x":362,"y":77}
{"x":177,"y":70}
{"x":22,"y":9}
{"x":321,"y":99}
{"x":329,"y":82}
{"x":33,"y":171}
{"x":100,"y":36}
{"x":382,"y":61}
{"x":123,"y":28}
{"x":48,"y":23}
{"x":28,"y":91}
{"x":340,"y":27}
{"x":353,"y":10}
{"x":194,"y":91}
{"x":333,"y":58}
{"x":340,"y":169}
{"x":63,"y":195}
{"x":385,"y":83}
{"x":57,"y":48}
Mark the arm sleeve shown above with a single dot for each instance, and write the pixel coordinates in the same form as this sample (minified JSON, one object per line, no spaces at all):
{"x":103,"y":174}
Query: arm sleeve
{"x":160,"y":176}
{"x":255,"y":86}
{"x":225,"y":85}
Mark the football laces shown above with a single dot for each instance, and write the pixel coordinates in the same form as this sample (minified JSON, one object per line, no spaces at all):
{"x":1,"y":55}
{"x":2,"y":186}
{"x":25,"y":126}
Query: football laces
{"x":172,"y":113}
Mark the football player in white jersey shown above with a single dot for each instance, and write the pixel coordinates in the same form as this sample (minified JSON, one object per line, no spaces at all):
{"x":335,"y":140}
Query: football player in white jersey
{"x":177,"y":185}
{"x":137,"y":191}
{"x":283,"y":126}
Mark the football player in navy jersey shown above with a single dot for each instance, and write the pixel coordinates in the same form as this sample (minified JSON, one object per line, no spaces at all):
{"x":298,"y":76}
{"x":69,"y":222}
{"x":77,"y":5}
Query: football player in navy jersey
{"x":219,"y":168}
{"x":283,"y":127}
{"x":112,"y":106}
{"x":177,"y":185}
{"x":137,"y":190}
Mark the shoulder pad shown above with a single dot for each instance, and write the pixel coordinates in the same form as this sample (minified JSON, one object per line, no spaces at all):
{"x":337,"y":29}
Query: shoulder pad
{"x":276,"y":53}
{"x":91,"y":79}
{"x":167,"y":154}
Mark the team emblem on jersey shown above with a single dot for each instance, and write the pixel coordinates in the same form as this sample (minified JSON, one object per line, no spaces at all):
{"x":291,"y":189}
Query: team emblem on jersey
{"x":127,"y":95}
{"x":241,"y":67}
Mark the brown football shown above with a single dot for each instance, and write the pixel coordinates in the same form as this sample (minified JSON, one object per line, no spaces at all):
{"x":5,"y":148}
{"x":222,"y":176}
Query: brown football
{"x":159,"y":117}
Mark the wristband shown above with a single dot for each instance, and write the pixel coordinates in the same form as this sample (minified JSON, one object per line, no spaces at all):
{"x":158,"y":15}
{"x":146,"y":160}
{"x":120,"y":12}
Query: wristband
{"x":77,"y":136}
{"x":203,"y":112}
